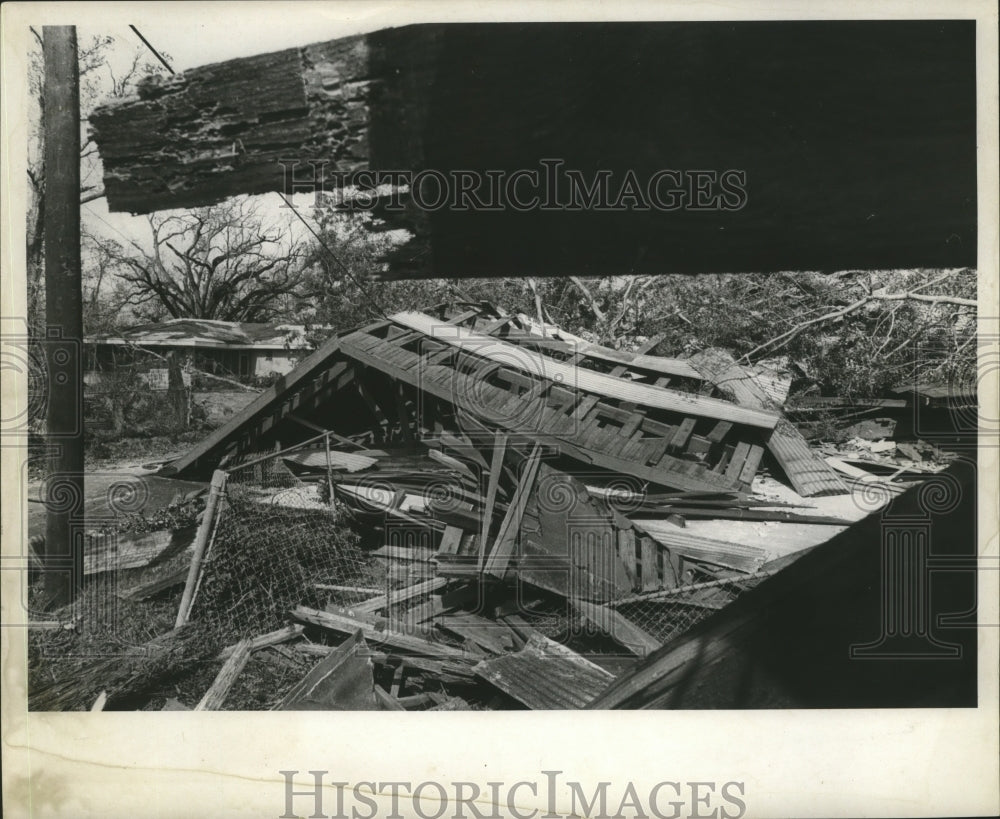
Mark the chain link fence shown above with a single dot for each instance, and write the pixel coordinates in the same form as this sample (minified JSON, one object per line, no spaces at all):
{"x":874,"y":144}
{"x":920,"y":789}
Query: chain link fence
{"x":668,"y":614}
{"x":279,"y":542}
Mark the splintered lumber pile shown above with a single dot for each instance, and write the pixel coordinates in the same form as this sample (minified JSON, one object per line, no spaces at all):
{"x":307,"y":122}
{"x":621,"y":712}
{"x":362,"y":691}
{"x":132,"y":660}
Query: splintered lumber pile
{"x":546,"y":511}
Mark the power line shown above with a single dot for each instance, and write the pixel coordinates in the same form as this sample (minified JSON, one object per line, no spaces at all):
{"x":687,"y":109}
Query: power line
{"x":333,"y":256}
{"x":150,"y":47}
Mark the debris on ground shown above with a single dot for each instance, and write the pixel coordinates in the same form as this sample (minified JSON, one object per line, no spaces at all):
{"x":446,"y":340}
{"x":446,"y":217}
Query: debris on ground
{"x":467,"y":510}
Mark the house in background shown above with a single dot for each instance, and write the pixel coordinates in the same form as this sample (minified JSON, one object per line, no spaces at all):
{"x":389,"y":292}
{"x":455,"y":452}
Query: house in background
{"x":240,"y":350}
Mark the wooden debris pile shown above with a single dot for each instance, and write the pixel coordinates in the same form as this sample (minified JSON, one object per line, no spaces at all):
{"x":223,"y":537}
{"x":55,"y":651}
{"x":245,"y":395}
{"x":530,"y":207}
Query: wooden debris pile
{"x":539,"y":512}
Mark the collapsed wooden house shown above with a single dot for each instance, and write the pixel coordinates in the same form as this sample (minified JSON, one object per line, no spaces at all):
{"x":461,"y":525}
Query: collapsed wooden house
{"x":503,"y":461}
{"x":455,"y":383}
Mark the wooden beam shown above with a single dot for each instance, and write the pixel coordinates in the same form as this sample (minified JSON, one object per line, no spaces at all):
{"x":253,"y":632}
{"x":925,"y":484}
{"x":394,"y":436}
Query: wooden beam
{"x":496,"y":563}
{"x":499,"y":449}
{"x":231,"y":669}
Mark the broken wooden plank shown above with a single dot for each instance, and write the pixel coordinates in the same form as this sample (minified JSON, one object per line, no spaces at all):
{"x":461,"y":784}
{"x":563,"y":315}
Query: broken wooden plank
{"x":763,"y":515}
{"x":618,"y":627}
{"x":399,"y":596}
{"x":144,"y":591}
{"x":719,"y":431}
{"x":809,"y":476}
{"x":345,"y":624}
{"x":231,"y":669}
{"x":751,"y":464}
{"x":736,"y":462}
{"x":118,"y":551}
{"x":342,"y":681}
{"x":492,"y":636}
{"x":498,"y":559}
{"x":272,"y":638}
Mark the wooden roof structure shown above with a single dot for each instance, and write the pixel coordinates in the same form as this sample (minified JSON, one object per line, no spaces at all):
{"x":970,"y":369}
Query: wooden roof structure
{"x":422,"y":377}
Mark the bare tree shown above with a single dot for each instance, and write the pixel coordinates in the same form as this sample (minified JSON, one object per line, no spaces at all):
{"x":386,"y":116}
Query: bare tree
{"x":222,"y":262}
{"x":99,"y":80}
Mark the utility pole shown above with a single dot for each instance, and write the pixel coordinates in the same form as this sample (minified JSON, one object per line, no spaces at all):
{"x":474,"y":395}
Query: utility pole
{"x":63,"y":317}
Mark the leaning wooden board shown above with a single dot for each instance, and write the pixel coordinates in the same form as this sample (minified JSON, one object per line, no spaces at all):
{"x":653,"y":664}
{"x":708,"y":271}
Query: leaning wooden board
{"x":808,"y":473}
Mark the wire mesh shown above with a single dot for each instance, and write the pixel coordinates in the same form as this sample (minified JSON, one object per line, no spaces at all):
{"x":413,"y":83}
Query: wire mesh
{"x":668,"y":614}
{"x":280,"y":542}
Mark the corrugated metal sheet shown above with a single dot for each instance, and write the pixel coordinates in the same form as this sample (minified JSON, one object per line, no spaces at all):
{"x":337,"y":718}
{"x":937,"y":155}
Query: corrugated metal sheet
{"x":545,"y":675}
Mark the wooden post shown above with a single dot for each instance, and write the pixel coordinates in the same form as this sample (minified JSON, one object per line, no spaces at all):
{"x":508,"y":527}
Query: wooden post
{"x":200,"y":544}
{"x":329,"y":471}
{"x":63,"y":314}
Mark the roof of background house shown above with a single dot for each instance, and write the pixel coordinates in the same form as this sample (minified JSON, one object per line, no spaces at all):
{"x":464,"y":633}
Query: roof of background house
{"x":210,"y":333}
{"x":961,"y":391}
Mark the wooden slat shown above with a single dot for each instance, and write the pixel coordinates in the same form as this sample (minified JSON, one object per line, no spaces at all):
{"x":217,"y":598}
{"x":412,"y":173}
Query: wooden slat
{"x":719,"y":431}
{"x":735,"y":466}
{"x":750,"y":465}
{"x":650,"y":573}
{"x":272,"y":638}
{"x":589,"y":381}
{"x":680,"y":437}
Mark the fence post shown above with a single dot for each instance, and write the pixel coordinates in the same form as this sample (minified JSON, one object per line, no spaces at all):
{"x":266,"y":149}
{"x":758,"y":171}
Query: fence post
{"x":329,"y":471}
{"x":200,"y":544}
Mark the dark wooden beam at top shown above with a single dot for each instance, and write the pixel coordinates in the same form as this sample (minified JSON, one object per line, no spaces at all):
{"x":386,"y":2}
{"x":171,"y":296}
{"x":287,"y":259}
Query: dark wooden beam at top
{"x":857,"y":140}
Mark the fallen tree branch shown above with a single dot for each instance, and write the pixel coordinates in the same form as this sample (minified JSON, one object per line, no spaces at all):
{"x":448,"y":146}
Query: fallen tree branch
{"x":592,"y":302}
{"x":780,"y":341}
{"x":922,"y":297}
